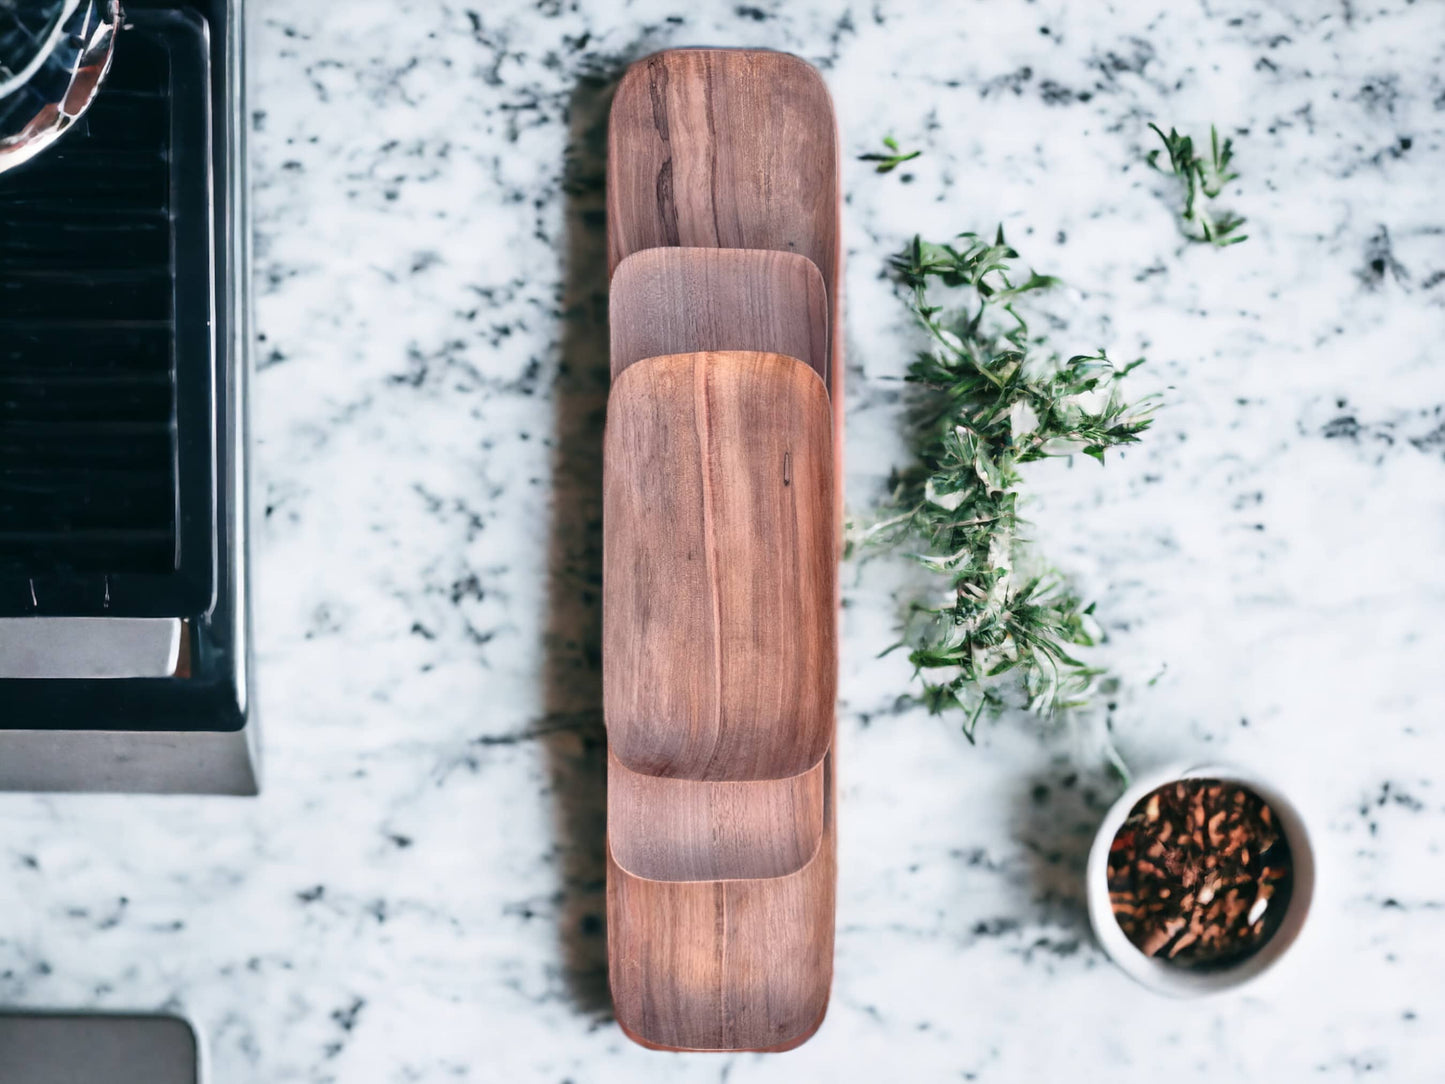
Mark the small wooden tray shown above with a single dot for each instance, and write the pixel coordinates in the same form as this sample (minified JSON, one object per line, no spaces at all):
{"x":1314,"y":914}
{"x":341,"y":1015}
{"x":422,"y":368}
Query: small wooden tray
{"x":728,"y":964}
{"x":683,"y":300}
{"x":679,"y":300}
{"x":682,"y":830}
{"x":719,"y":567}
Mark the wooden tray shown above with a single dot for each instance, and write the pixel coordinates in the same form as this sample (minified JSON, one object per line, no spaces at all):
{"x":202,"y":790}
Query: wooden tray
{"x":727,"y":964}
{"x":721,"y":890}
{"x":683,"y":300}
{"x":719,"y":572}
{"x":682,"y":830}
{"x":680,"y":300}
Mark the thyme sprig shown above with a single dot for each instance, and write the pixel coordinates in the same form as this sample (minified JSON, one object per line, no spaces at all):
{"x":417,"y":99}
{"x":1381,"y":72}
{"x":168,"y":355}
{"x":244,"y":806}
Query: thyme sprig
{"x":990,"y":398}
{"x":1204,"y":179}
{"x":890,"y":161}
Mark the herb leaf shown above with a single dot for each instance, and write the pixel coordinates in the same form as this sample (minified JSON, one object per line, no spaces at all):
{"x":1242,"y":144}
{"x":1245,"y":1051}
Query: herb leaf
{"x":1204,"y":178}
{"x":890,"y":161}
{"x":988,"y":398}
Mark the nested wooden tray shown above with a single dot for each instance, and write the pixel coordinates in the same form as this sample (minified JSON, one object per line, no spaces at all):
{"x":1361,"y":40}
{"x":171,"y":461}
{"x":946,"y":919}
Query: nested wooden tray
{"x":728,"y":964}
{"x":682,"y":830}
{"x":677,"y":300}
{"x":720,"y":550}
{"x":719,"y":569}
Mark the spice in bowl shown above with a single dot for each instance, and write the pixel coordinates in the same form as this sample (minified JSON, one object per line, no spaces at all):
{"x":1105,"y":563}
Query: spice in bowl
{"x":1200,"y":873}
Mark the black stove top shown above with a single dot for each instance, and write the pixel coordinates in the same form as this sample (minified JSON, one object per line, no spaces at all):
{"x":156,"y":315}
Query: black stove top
{"x":106,"y":347}
{"x":122,"y":369}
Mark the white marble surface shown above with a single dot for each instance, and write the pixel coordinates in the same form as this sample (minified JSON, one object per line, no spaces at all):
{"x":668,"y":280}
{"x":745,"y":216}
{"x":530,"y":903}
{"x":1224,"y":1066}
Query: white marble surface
{"x":416,"y":895}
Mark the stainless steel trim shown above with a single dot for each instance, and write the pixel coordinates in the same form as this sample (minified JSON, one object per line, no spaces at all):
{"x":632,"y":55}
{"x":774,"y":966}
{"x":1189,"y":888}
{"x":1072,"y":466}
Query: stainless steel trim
{"x":89,"y":647}
{"x":129,"y":762}
{"x":240,"y":237}
{"x":49,"y":1048}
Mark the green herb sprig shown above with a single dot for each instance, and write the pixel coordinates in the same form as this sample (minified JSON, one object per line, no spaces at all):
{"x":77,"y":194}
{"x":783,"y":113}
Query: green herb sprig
{"x":887,"y":163}
{"x":990,"y":398}
{"x":1204,"y":179}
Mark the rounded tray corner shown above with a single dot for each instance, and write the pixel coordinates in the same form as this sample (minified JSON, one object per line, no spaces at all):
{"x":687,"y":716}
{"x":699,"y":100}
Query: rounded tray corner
{"x":683,"y":830}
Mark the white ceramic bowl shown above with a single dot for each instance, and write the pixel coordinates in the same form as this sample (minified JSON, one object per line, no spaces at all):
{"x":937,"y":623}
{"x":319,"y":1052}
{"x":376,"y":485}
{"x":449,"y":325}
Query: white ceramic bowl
{"x":1173,"y":979}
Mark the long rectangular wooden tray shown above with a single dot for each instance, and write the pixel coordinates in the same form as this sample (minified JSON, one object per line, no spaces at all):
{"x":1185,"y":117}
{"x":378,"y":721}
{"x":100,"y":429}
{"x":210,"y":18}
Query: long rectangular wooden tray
{"x":719,"y":568}
{"x":721,"y":507}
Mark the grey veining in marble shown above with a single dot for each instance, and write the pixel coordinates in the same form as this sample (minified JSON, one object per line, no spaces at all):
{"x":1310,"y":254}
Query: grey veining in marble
{"x":417,"y":895}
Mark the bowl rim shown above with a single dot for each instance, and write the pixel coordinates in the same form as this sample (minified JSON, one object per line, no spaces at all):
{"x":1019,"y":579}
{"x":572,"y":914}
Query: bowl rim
{"x":1160,"y":975}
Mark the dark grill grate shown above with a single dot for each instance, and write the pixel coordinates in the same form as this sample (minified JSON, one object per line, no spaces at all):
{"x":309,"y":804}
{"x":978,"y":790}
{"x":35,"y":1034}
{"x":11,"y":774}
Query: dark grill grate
{"x":88,"y":475}
{"x":120,"y":416}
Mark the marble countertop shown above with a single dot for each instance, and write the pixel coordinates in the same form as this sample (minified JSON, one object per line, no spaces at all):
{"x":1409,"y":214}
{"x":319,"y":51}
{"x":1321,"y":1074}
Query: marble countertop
{"x":417,"y":896}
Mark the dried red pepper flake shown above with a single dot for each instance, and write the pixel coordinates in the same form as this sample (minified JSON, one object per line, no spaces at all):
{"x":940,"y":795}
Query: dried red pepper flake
{"x":1199,"y":873}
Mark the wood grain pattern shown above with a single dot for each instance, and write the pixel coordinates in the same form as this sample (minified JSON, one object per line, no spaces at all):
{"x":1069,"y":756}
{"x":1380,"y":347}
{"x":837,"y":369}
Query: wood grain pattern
{"x":721,"y":149}
{"x":684,"y":830}
{"x":724,"y":965}
{"x":719,"y":567}
{"x":685,"y":300}
{"x":731,"y":148}
{"x":680,"y":300}
{"x":727,"y":148}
